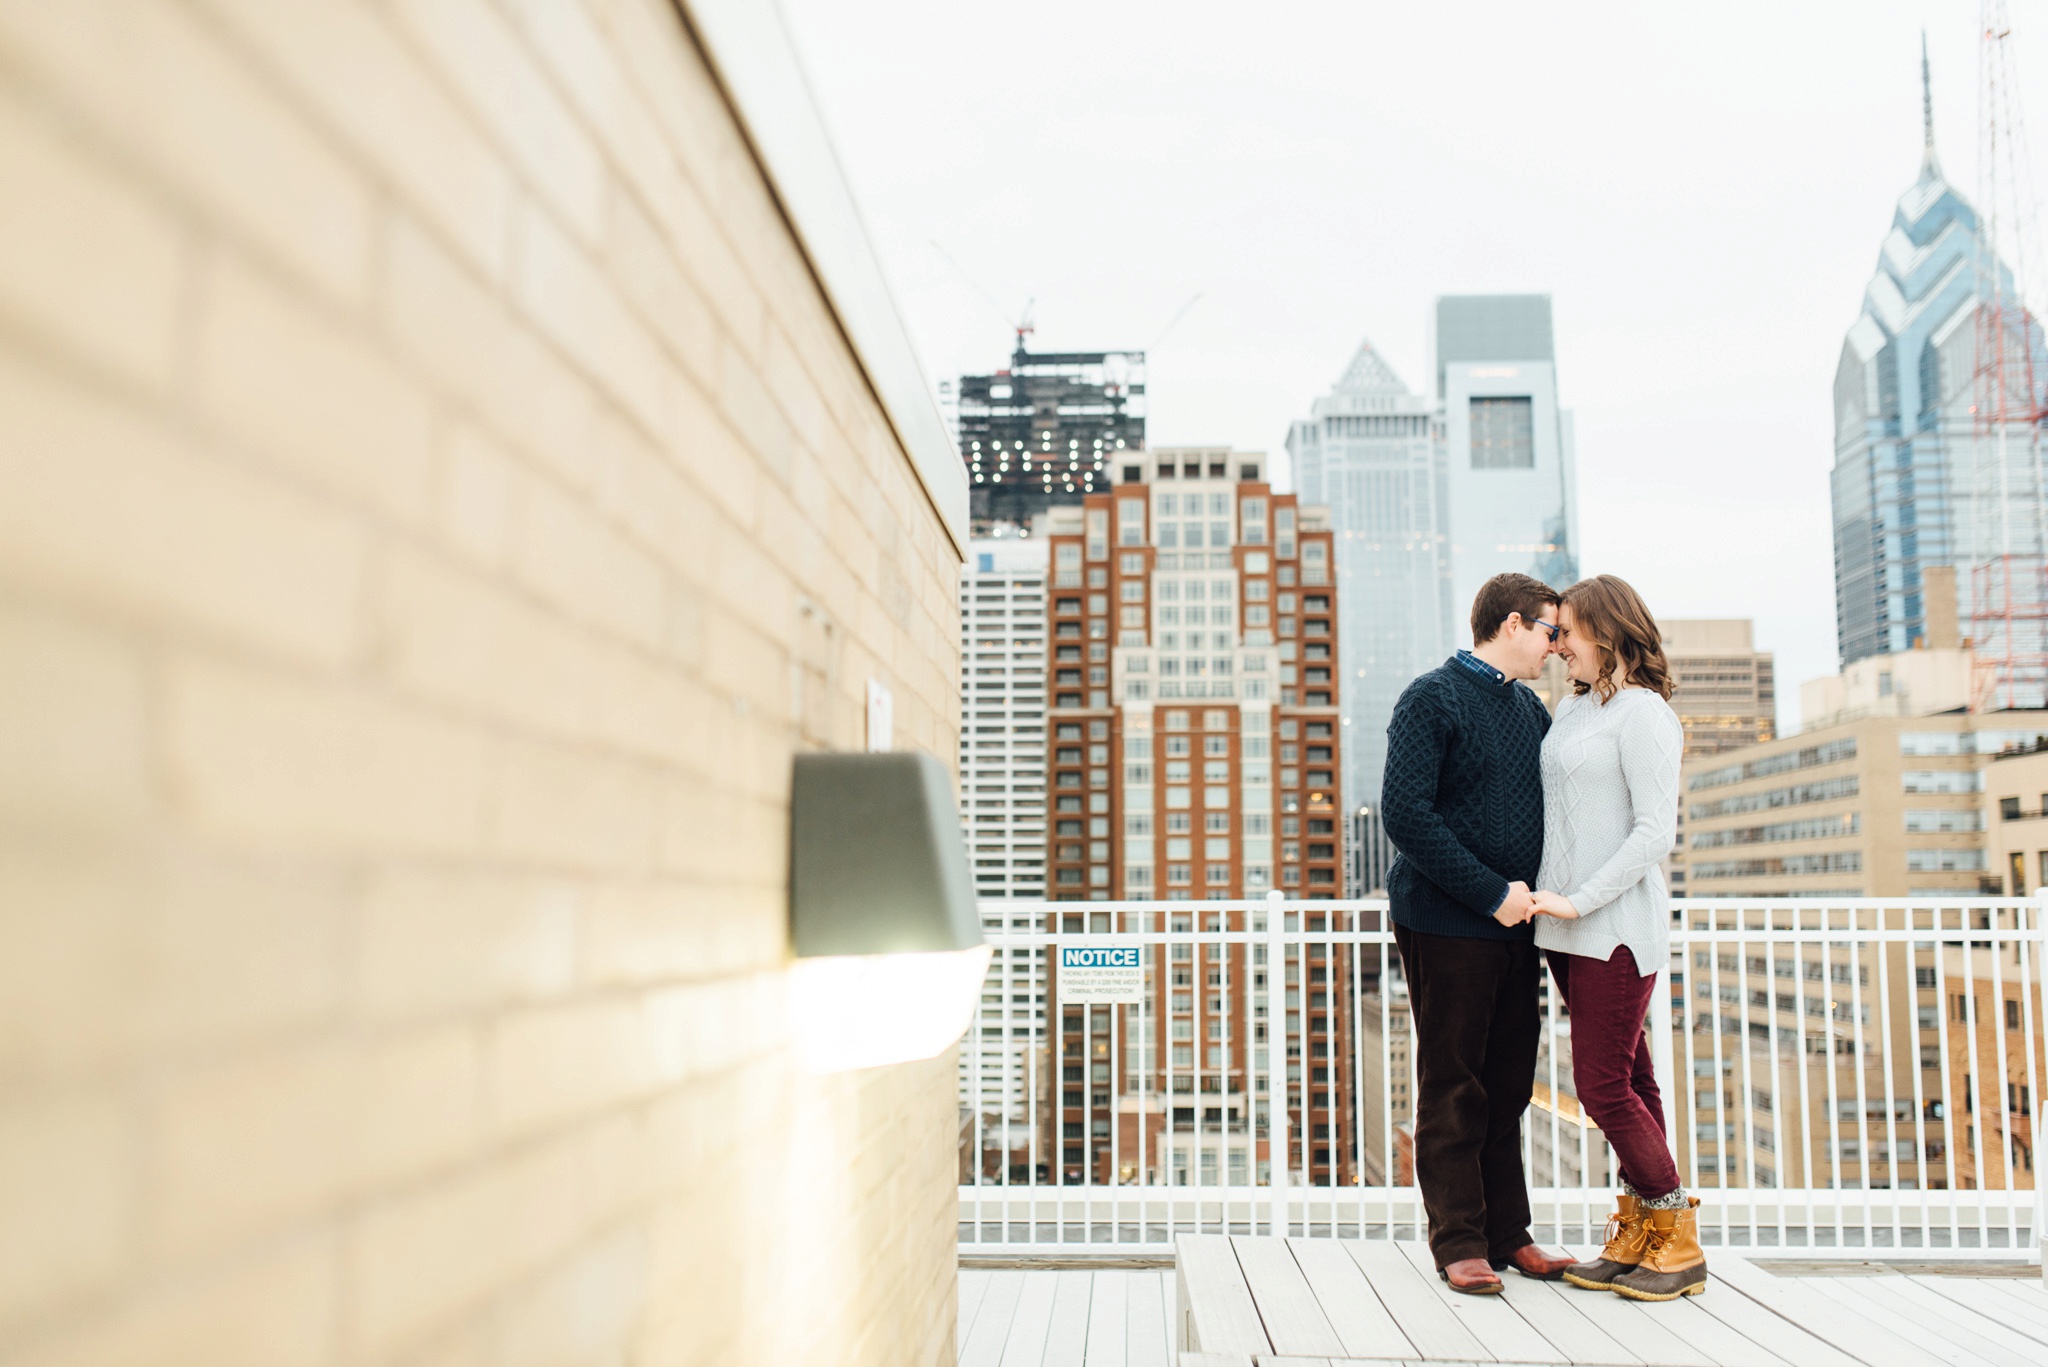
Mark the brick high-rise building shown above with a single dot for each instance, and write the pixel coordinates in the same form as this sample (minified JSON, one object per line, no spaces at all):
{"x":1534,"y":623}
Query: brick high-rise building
{"x":1195,"y":755}
{"x":1193,"y":683}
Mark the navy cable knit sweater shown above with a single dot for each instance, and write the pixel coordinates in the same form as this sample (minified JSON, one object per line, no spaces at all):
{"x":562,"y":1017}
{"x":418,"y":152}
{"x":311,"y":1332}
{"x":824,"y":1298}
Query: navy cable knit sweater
{"x":1463,"y":801}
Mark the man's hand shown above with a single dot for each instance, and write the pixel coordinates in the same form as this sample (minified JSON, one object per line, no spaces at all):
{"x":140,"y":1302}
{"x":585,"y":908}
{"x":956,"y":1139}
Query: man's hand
{"x":1516,"y":906}
{"x":1554,"y":904}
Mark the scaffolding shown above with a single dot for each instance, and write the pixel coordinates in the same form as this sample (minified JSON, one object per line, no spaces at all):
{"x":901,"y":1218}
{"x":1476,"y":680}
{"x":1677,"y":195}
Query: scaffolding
{"x":2008,"y":532}
{"x":1041,"y":433}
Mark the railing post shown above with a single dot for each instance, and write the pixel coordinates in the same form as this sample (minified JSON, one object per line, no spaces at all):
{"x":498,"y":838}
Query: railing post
{"x":1276,"y":1071}
{"x":2031,"y":986}
{"x":1660,"y":1049}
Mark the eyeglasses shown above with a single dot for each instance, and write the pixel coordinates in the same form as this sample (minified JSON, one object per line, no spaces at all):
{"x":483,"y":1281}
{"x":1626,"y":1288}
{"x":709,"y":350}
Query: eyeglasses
{"x":1554,"y":630}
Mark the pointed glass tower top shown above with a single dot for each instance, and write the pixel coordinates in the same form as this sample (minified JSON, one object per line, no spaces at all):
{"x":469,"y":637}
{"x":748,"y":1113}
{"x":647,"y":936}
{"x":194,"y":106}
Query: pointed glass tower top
{"x":1928,"y":264}
{"x":1369,"y":385}
{"x":1369,"y":373}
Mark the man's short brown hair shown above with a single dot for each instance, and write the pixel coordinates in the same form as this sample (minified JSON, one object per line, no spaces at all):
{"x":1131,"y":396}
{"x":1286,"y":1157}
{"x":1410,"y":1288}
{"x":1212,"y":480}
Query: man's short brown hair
{"x":1504,"y":595}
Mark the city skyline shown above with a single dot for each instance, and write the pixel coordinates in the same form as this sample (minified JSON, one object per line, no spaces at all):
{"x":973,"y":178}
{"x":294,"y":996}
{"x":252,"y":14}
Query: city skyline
{"x":1696,"y":334}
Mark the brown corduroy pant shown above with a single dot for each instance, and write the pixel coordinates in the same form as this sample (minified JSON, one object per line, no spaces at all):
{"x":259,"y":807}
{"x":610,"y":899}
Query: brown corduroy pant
{"x":1474,"y":1005}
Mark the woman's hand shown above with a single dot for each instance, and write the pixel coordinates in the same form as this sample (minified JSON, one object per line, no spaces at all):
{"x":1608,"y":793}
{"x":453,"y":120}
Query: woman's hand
{"x":1554,"y":904}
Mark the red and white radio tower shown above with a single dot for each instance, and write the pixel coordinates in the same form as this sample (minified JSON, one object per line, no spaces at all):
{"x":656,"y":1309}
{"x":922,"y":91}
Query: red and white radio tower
{"x":2008,"y":532}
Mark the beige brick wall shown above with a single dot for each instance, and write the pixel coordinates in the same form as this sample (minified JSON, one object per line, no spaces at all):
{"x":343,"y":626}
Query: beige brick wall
{"x":435,"y":503}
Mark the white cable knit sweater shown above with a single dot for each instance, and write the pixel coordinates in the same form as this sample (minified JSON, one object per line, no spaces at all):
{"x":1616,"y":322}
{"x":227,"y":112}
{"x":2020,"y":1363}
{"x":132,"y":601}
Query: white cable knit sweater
{"x":1610,"y":815}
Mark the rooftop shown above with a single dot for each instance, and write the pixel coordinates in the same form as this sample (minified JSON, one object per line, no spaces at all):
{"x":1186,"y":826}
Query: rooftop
{"x":1237,"y":1302}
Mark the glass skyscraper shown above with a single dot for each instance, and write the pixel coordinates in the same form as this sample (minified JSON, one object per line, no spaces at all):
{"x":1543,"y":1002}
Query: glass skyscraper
{"x":1919,"y":482}
{"x":1512,"y":486}
{"x":1370,"y":453}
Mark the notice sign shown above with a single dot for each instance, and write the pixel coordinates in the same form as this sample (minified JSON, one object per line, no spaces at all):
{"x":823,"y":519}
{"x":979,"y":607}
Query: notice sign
{"x":1102,"y":975}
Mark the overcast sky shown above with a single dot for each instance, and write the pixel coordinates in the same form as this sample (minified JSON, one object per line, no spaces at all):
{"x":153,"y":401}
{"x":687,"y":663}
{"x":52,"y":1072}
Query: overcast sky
{"x":1701,"y":189}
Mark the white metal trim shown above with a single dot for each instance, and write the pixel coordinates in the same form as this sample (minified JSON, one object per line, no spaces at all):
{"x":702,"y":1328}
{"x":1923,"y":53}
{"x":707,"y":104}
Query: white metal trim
{"x":749,"y":48}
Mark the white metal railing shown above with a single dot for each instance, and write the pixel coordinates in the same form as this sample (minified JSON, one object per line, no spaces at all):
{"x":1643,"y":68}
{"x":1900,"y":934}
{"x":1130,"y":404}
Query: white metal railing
{"x":1838,"y":1075}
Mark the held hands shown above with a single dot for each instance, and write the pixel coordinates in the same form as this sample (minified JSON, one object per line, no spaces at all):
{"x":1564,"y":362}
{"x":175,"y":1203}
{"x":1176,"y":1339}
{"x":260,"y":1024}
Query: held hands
{"x":1521,"y":904}
{"x":1516,"y":907}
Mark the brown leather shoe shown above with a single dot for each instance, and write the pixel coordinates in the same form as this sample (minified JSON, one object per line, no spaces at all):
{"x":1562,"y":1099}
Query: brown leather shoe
{"x":1534,"y":1263}
{"x":1471,"y":1276}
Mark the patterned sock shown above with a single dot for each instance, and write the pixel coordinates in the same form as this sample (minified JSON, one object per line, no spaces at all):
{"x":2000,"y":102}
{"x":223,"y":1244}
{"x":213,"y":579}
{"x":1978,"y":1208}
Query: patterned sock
{"x":1670,"y":1200}
{"x":1629,"y":1190}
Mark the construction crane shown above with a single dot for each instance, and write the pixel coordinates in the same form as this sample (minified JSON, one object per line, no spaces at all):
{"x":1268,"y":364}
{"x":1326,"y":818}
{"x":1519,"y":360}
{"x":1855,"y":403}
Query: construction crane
{"x":2008,"y":532}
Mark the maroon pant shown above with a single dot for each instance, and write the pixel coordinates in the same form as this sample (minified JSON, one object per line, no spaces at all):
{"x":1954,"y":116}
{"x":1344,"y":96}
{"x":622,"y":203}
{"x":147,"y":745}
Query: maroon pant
{"x":1611,"y":1065}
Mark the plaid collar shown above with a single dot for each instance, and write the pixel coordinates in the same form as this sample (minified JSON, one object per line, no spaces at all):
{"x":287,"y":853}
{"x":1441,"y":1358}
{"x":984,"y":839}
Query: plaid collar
{"x":1481,"y":668}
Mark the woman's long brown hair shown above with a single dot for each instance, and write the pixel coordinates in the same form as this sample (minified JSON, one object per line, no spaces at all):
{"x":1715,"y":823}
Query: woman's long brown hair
{"x":1611,"y":618}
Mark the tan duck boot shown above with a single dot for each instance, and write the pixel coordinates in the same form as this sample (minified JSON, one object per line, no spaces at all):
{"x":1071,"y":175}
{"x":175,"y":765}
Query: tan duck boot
{"x":1673,"y":1263}
{"x":1626,"y":1235}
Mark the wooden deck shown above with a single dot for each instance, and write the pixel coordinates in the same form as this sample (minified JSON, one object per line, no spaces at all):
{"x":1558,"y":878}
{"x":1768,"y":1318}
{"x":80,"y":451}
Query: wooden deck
{"x":1066,"y":1319}
{"x":1262,"y":1302}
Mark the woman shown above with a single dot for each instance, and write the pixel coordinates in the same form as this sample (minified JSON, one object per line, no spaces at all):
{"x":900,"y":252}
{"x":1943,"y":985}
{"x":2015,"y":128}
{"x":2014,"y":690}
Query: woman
{"x":1610,"y":815}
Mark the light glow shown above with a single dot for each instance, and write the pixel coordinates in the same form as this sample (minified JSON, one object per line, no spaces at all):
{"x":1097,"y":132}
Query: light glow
{"x":866,"y":1010}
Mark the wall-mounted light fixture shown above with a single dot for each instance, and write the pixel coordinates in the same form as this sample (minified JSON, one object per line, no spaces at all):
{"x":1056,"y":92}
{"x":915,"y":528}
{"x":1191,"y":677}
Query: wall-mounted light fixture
{"x":889,"y":952}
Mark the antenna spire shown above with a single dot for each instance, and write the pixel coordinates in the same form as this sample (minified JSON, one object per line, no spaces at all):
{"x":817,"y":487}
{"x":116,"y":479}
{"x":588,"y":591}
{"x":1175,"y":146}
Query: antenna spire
{"x":1926,"y":92}
{"x":1930,"y":166}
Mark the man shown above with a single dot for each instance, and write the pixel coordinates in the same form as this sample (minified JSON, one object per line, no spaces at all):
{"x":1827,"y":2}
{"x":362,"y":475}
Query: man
{"x":1463,"y":804}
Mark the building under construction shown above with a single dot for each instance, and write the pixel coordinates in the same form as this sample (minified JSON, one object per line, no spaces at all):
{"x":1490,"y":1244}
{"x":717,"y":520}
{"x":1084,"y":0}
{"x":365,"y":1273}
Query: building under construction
{"x":1041,"y":432}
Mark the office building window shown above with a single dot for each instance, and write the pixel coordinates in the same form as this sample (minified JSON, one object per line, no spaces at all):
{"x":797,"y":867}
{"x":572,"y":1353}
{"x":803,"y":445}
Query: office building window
{"x":1130,"y":521}
{"x":1503,"y":434}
